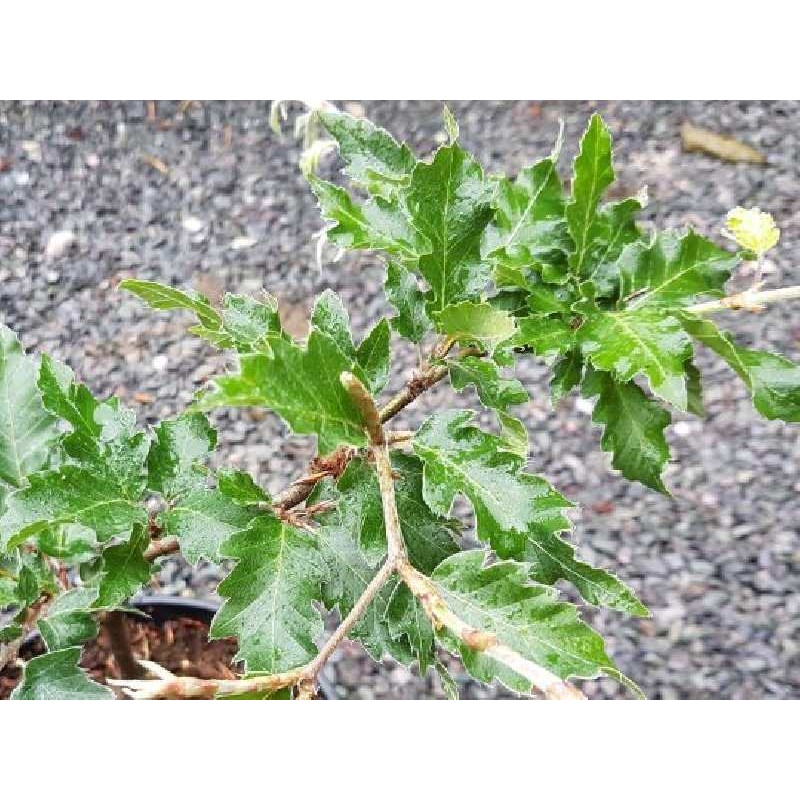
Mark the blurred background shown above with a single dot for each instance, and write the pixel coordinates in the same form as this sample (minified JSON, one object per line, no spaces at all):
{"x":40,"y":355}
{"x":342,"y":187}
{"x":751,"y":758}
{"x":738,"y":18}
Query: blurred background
{"x":206,"y":196}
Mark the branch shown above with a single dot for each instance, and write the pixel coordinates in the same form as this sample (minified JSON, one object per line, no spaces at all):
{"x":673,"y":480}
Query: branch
{"x":161,"y":547}
{"x":440,"y":615}
{"x":172,"y":687}
{"x":748,"y":300}
{"x":298,"y":491}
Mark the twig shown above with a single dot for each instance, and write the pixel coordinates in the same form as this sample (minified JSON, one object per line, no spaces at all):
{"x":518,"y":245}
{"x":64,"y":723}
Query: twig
{"x":748,"y":300}
{"x":304,"y":678}
{"x":366,"y":406}
{"x":161,"y":547}
{"x":440,"y":615}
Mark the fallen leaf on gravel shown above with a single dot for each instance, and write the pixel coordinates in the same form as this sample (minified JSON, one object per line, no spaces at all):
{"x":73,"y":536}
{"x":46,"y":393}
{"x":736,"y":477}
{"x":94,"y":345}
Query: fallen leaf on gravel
{"x":145,"y":398}
{"x":5,"y":164}
{"x":603,"y":507}
{"x":156,"y":163}
{"x":702,"y":140}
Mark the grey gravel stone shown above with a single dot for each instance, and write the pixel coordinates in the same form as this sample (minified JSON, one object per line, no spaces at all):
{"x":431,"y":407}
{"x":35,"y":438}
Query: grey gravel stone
{"x":717,"y":561}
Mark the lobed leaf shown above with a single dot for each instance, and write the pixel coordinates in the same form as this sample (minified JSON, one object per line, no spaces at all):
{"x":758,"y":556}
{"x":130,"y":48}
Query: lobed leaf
{"x":203,"y":520}
{"x":57,"y":676}
{"x":71,"y":494}
{"x":773,"y":380}
{"x":493,"y":389}
{"x":373,"y":158}
{"x":593,"y":173}
{"x":673,"y":271}
{"x":450,"y":205}
{"x":647,"y":341}
{"x":300,"y":384}
{"x":269,"y":596}
{"x":404,"y":293}
{"x":476,"y":322}
{"x":179,"y":447}
{"x":124,"y":570}
{"x":634,"y":428}
{"x":27,"y":431}
{"x":527,"y":617}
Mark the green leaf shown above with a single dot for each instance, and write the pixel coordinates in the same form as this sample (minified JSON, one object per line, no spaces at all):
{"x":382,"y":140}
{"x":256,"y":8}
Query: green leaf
{"x":694,"y":390}
{"x":544,"y":300}
{"x":300,"y":384}
{"x":514,"y":434}
{"x":552,"y":559}
{"x":567,"y":373}
{"x":69,"y":400}
{"x":57,"y":676}
{"x":125,"y":570}
{"x":166,"y":298}
{"x":373,"y":356}
{"x":330,"y":317}
{"x":774,"y":381}
{"x":9,"y":633}
{"x":646,"y":341}
{"x":524,"y":616}
{"x":247,"y":323}
{"x":27,"y":431}
{"x":243,"y":323}
{"x":673,"y":271}
{"x":175,"y":454}
{"x":493,"y":389}
{"x":614,"y":228}
{"x":240,"y":488}
{"x":518,"y":513}
{"x":70,"y":494}
{"x":450,"y":204}
{"x":377,"y":224}
{"x":374,"y":159}
{"x":477,"y":322}
{"x":69,"y":621}
{"x":269,"y":596}
{"x":27,"y":587}
{"x":593,"y":173}
{"x":403,"y":292}
{"x":461,"y":458}
{"x":634,"y":428}
{"x":528,"y":227}
{"x":104,"y":436}
{"x":371,"y":359}
{"x":546,"y":336}
{"x":407,"y":620}
{"x":202,"y":520}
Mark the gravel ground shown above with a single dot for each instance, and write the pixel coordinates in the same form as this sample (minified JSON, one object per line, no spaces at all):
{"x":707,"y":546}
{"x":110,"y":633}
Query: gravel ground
{"x":214,"y":200}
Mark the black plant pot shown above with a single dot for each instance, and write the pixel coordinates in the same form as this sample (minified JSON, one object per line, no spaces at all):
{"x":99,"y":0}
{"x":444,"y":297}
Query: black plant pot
{"x":163,"y":608}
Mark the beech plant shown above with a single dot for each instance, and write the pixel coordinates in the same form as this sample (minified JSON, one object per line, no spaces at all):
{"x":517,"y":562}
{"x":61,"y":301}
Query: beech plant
{"x":482,"y":271}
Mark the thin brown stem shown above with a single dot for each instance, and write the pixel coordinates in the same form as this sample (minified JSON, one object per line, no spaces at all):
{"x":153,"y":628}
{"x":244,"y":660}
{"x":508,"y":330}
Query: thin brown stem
{"x":116,"y":626}
{"x":395,"y":544}
{"x":161,"y":547}
{"x":441,"y":616}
